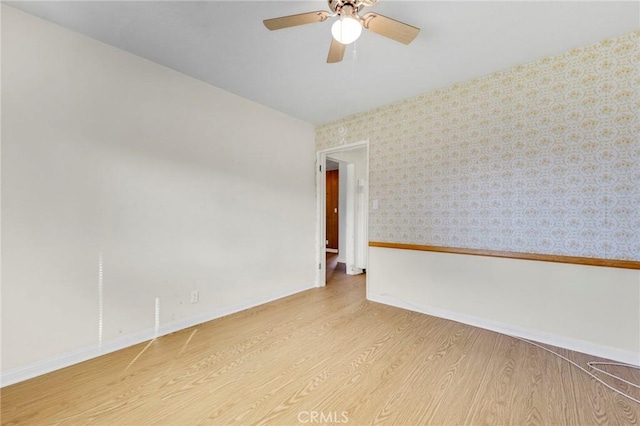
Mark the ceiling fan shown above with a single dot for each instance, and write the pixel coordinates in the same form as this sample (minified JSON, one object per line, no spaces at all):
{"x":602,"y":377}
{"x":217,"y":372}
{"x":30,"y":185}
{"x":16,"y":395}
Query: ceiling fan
{"x":348,"y":27}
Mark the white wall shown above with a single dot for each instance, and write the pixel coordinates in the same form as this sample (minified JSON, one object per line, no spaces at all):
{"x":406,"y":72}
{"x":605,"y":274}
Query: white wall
{"x":178,"y":184}
{"x":586,"y":308}
{"x":342,"y":219}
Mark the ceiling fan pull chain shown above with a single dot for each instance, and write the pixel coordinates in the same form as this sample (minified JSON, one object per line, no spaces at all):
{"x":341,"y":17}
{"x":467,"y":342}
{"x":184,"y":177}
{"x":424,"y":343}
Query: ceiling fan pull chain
{"x":353,"y":63}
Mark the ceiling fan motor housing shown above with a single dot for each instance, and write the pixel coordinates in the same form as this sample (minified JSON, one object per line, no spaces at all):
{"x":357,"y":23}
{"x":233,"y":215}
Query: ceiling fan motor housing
{"x":357,"y":5}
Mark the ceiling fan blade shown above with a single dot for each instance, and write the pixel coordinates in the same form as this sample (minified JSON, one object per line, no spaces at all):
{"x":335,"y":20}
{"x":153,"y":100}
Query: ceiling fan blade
{"x":395,"y":30}
{"x":295,"y":20}
{"x":336,"y":51}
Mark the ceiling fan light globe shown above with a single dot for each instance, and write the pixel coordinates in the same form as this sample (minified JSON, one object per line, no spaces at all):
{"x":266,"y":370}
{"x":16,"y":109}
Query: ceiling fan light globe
{"x":346,"y":30}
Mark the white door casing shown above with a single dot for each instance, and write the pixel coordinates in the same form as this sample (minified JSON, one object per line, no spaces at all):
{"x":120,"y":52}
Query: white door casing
{"x":356,"y":212}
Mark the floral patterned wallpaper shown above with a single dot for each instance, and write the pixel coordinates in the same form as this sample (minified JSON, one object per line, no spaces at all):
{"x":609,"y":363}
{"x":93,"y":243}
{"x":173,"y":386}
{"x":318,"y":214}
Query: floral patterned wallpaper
{"x":540,"y":158}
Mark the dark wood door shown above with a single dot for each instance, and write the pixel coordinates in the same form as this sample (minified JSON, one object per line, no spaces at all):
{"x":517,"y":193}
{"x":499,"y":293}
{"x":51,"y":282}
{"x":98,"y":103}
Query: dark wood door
{"x":333,"y":188}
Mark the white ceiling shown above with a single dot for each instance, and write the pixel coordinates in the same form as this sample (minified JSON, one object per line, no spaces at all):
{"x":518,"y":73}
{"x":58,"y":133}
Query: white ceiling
{"x":225,"y":43}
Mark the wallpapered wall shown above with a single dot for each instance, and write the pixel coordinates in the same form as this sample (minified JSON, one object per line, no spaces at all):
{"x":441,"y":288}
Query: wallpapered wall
{"x":540,"y":158}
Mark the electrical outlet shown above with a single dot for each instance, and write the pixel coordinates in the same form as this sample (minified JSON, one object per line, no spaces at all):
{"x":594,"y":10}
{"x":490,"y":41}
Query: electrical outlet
{"x":195,"y":296}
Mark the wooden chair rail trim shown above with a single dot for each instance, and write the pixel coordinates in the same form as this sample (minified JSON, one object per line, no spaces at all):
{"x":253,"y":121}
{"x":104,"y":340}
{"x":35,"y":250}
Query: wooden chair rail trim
{"x":611,"y":263}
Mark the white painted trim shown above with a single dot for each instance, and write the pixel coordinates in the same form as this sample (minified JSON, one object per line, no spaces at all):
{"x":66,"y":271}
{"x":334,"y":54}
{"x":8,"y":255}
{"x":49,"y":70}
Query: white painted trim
{"x":35,"y":369}
{"x":615,"y":354}
{"x":362,"y":219}
{"x":321,"y":231}
{"x":330,"y":250}
{"x":346,"y":147}
{"x":350,"y":231}
{"x":342,"y":208}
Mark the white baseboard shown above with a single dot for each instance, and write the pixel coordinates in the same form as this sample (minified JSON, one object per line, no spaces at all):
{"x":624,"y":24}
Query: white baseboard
{"x":616,"y":354}
{"x":35,"y":369}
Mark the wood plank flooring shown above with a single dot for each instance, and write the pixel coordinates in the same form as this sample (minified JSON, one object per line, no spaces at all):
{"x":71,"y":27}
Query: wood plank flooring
{"x":324,"y":356}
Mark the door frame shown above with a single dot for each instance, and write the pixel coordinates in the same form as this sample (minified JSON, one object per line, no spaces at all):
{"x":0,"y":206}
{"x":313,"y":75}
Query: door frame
{"x":338,"y":210}
{"x":321,"y":166}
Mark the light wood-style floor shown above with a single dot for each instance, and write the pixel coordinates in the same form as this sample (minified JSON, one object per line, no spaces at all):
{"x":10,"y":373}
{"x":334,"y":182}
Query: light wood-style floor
{"x":331,"y":352}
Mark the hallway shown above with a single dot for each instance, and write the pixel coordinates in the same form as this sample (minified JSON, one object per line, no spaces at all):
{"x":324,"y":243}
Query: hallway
{"x":336,"y":272}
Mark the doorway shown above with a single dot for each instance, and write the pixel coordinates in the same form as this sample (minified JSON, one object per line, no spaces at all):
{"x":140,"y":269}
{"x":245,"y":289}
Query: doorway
{"x":332,"y":204}
{"x":351,"y":213}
